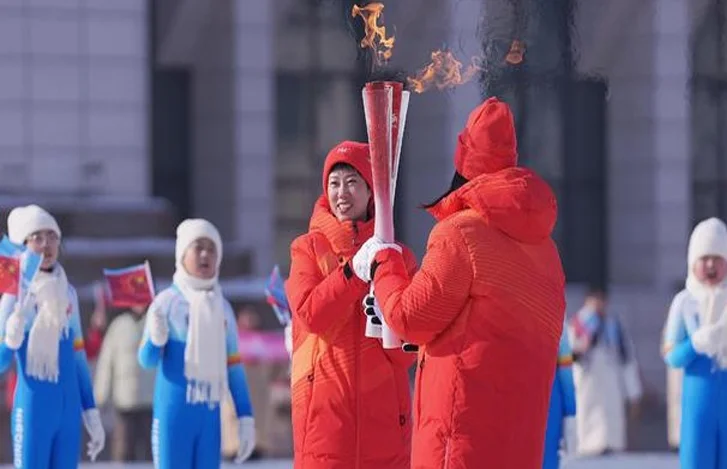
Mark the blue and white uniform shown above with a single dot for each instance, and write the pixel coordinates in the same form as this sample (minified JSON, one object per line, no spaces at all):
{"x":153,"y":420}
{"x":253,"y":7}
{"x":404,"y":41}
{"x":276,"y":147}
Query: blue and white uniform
{"x":197,"y":360}
{"x":46,"y":416}
{"x":54,"y":387}
{"x":695,"y":339}
{"x":562,"y":403}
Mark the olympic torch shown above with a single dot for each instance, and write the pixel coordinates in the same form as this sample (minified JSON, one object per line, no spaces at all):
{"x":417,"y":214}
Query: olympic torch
{"x":385,"y":106}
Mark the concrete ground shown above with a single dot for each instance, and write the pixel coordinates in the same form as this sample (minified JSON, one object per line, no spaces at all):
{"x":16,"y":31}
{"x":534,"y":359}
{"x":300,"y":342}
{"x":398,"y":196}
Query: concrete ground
{"x":636,"y":461}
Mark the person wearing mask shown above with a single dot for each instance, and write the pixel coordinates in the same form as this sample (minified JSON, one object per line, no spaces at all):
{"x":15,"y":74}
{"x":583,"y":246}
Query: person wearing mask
{"x":695,"y":340}
{"x":42,"y":329}
{"x":191,"y":340}
{"x":350,"y":396}
{"x":120,"y":379}
{"x":486,"y":307}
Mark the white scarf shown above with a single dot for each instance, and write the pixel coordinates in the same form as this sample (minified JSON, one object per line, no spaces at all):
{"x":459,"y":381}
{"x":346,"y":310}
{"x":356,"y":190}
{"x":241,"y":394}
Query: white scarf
{"x":712,"y":299}
{"x":205,"y":355}
{"x":50,"y":292}
{"x":712,"y":302}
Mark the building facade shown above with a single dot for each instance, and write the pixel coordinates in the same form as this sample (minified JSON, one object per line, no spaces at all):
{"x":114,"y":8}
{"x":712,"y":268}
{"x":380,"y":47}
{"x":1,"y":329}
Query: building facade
{"x":227,"y":110}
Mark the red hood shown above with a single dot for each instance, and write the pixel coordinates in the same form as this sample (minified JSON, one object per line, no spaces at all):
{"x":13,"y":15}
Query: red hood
{"x":516,"y":201}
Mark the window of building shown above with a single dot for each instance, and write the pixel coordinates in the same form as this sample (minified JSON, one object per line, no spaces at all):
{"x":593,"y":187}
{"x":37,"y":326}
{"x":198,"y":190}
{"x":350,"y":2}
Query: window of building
{"x":318,"y":95}
{"x":171,"y":131}
{"x":561,"y":125}
{"x":709,"y":114}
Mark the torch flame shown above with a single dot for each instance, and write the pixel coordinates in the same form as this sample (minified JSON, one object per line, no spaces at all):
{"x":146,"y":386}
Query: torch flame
{"x":374,"y":34}
{"x":444,"y":71}
{"x":516,"y":53}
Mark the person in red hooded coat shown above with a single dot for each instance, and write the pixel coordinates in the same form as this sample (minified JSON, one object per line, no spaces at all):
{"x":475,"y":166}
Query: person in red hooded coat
{"x":351,"y":402}
{"x":486,"y":307}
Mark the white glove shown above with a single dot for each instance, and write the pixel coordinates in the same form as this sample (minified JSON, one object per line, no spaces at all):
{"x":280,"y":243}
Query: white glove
{"x":289,"y":339}
{"x":15,"y":329}
{"x":706,"y":339}
{"x":158,"y":329}
{"x":365,"y":256}
{"x":246,"y":437}
{"x":97,"y":436}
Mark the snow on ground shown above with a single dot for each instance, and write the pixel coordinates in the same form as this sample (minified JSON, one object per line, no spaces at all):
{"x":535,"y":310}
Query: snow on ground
{"x":642,"y":461}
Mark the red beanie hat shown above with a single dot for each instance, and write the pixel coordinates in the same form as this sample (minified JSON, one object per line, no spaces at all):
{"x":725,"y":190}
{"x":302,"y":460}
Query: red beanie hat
{"x":355,"y":154}
{"x":487,"y":144}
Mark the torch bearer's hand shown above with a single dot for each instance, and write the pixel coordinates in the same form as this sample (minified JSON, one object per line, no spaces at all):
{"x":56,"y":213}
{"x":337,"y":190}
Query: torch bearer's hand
{"x":371,"y":305}
{"x":365,"y":256}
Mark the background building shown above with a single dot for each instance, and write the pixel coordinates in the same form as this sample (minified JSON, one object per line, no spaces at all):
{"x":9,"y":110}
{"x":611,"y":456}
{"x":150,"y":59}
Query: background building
{"x":125,"y":115}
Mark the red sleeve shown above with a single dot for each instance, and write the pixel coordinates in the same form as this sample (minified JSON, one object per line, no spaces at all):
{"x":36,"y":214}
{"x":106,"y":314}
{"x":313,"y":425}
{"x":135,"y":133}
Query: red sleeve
{"x":420,"y":308}
{"x":11,"y":380}
{"x":315,"y":300}
{"x":93,"y":342}
{"x":397,"y":356}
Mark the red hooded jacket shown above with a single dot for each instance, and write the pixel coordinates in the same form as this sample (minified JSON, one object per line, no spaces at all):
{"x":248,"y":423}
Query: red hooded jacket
{"x":350,"y":398}
{"x":486,"y":307}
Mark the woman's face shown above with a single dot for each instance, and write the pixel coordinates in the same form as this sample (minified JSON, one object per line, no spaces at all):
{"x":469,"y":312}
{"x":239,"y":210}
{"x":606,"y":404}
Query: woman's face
{"x":47,"y":243}
{"x":200,"y":259}
{"x":348,"y":194}
{"x":710,"y":270}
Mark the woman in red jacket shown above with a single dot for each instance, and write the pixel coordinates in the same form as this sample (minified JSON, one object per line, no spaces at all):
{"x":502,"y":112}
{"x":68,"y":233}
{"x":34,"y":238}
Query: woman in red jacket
{"x":486,"y":307}
{"x":350,"y":397}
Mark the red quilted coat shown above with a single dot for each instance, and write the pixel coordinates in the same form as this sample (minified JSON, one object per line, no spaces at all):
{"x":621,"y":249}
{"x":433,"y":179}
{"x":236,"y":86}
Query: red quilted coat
{"x":350,"y":397}
{"x":487,"y":306}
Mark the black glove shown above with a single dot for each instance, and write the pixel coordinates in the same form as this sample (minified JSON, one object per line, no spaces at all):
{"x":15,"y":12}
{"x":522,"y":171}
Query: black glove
{"x":409,"y":348}
{"x":368,"y":305}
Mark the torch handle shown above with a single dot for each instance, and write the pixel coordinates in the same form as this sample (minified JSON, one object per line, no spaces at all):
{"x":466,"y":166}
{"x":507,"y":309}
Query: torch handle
{"x":378,"y":100}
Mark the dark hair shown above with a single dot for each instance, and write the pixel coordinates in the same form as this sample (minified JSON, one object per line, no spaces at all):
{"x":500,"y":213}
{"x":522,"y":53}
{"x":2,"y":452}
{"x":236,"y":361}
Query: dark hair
{"x":596,"y":290}
{"x":341,"y":165}
{"x":457,"y":181}
{"x":347,"y":167}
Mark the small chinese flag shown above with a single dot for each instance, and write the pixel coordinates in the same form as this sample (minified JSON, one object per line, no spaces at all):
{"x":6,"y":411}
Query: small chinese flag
{"x":18,"y":267}
{"x":275,"y":296}
{"x":9,"y":274}
{"x":130,"y":286}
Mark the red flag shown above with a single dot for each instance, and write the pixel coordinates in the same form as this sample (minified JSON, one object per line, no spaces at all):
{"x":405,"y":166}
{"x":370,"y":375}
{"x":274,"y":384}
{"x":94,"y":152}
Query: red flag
{"x":9,"y":274}
{"x":130,"y":286}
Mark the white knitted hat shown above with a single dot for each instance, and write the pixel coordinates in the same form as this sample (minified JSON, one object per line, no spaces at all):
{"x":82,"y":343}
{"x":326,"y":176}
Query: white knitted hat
{"x":24,"y":221}
{"x":709,"y":238}
{"x":193,"y":229}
